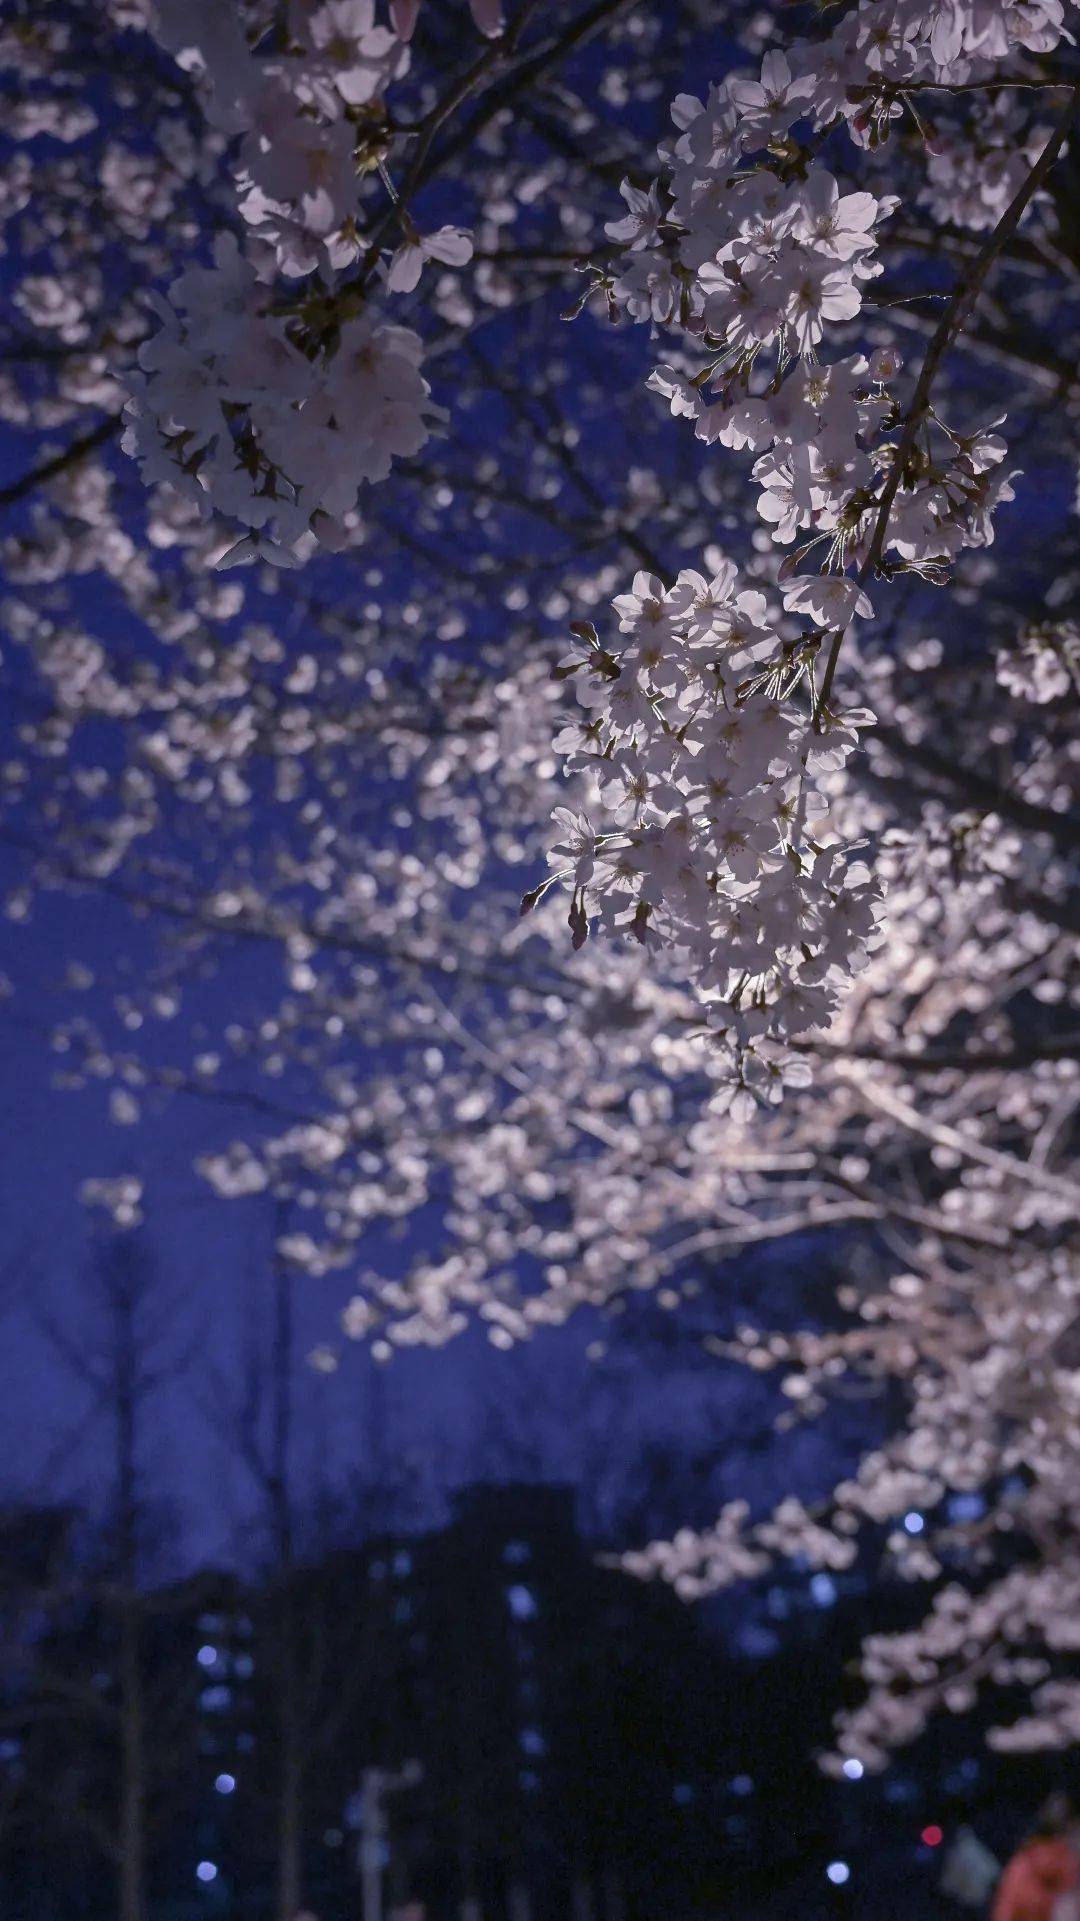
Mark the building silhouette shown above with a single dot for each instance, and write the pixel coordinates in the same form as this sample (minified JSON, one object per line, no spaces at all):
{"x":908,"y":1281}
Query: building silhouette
{"x":515,"y":1731}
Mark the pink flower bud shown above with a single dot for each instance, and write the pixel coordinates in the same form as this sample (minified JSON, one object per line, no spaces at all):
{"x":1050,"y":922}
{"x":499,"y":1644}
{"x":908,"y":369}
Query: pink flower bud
{"x":885,"y":363}
{"x":488,"y":15}
{"x":403,"y":15}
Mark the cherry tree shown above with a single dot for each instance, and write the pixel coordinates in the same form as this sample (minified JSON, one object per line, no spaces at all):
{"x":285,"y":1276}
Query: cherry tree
{"x":290,"y":692}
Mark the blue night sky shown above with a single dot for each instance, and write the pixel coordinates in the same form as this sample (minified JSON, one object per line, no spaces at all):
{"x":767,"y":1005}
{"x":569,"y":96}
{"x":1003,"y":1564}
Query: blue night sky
{"x":435,"y":1419}
{"x":426,"y":1421}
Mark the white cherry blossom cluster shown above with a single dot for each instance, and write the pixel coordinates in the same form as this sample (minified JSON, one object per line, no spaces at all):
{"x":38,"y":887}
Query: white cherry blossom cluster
{"x":973,"y":172}
{"x":734,"y":1549}
{"x":1002,"y":1635}
{"x":304,"y":116}
{"x":765,"y":256}
{"x":274,"y":406}
{"x":750,"y":248}
{"x":882,"y":47}
{"x":230,"y":409}
{"x":1044,"y":664}
{"x":711,"y":835}
{"x":119,"y":1196}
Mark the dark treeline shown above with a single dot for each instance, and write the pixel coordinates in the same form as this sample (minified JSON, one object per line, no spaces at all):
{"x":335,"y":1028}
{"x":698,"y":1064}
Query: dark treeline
{"x":506,"y":1729}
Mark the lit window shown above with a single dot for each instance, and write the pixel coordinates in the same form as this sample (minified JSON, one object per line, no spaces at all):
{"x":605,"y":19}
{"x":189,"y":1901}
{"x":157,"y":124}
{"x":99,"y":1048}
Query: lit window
{"x":207,"y":1656}
{"x":823,"y":1590}
{"x":522,"y":1603}
{"x":206,"y":1871}
{"x":225,"y":1783}
{"x":913,"y":1523}
{"x":215,"y":1700}
{"x":854,"y":1769}
{"x":966,"y":1507}
{"x":532,"y":1741}
{"x":756,"y":1641}
{"x":244,"y":1666}
{"x":838,"y":1872}
{"x":402,"y":1563}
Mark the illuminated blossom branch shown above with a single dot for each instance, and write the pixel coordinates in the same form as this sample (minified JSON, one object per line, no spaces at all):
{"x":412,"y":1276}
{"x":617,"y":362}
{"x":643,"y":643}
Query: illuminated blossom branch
{"x":274,"y":405}
{"x":714,"y":839}
{"x":705,"y":737}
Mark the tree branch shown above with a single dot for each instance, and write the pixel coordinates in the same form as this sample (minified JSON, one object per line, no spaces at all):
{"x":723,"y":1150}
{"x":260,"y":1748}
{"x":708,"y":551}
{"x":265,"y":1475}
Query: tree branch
{"x":70,"y":456}
{"x":952,"y":321}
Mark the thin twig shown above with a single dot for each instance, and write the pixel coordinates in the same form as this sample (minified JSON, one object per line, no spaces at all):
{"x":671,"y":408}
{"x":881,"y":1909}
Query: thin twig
{"x":952,"y":321}
{"x":59,"y":463}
